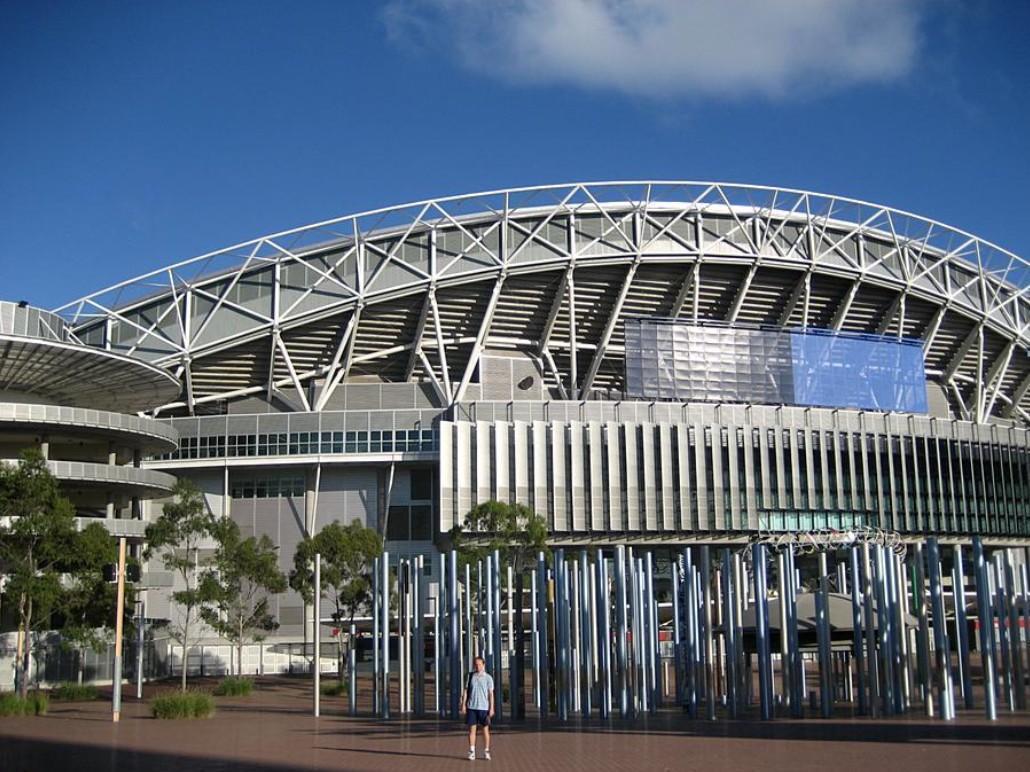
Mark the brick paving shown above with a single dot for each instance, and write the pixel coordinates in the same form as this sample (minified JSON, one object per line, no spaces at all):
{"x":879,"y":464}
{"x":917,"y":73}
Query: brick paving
{"x":273,"y":731}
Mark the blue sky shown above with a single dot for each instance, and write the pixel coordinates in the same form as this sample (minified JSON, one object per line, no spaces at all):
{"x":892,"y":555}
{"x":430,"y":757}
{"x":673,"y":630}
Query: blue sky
{"x":136,"y":134}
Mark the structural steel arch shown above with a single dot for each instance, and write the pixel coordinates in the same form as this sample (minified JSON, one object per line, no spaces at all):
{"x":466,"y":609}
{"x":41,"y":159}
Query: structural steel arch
{"x":418,"y":291}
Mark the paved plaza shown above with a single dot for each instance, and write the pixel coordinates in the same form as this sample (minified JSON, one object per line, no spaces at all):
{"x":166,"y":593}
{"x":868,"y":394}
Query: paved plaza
{"x":273,"y":731}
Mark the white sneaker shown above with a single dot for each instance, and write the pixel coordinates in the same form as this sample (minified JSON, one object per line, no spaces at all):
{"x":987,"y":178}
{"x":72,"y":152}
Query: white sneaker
{"x":486,"y":754}
{"x":472,"y":755}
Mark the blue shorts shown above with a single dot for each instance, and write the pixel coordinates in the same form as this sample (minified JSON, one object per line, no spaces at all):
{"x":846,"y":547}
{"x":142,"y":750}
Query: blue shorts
{"x":477,"y":717}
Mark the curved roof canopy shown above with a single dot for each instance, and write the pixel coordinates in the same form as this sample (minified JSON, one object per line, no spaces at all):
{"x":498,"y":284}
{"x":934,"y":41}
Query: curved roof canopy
{"x":40,"y":357}
{"x":419,"y":291}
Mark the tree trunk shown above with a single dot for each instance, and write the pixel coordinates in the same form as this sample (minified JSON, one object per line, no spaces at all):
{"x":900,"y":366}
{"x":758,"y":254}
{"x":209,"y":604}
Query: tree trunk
{"x":23,"y":690}
{"x":82,"y":657}
{"x":185,"y":650}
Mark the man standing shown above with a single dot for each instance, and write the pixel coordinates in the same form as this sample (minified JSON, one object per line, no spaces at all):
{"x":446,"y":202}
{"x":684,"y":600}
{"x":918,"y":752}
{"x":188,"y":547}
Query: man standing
{"x":478,"y":697}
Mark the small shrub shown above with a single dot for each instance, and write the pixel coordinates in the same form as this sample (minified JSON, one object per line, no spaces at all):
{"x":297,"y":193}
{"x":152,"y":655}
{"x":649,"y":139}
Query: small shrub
{"x":234,"y":686}
{"x":334,"y":689}
{"x":35,"y":704}
{"x":182,"y":705}
{"x":73,"y":692}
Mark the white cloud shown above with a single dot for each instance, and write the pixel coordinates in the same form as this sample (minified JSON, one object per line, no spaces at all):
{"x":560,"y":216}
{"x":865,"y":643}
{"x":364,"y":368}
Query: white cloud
{"x":683,"y":48}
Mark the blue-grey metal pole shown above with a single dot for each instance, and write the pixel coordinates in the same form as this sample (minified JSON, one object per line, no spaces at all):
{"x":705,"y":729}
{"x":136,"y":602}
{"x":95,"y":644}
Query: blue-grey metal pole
{"x":709,"y":633}
{"x":604,"y":637}
{"x":940,"y":632}
{"x":677,"y":639}
{"x":439,"y":634}
{"x":488,"y":617}
{"x":586,"y":655}
{"x":923,"y":631}
{"x":690,"y":606}
{"x":542,"y":635}
{"x":561,"y":641}
{"x":765,"y":675}
{"x":316,"y":660}
{"x":895,"y":630}
{"x":468,"y":646}
{"x":620,"y":628}
{"x":384,"y":628}
{"x":1001,"y":611}
{"x":797,"y":673}
{"x":653,"y":660}
{"x":638,"y":643}
{"x":352,"y":671}
{"x":782,"y":591}
{"x":420,"y":637}
{"x":958,"y":584}
{"x":986,"y":620}
{"x":857,"y":650}
{"x":1015,"y":642}
{"x":822,"y":620}
{"x":534,"y":637}
{"x":376,"y":648}
{"x":728,"y":593}
{"x":453,"y":614}
{"x":883,"y":629}
{"x":495,"y":627}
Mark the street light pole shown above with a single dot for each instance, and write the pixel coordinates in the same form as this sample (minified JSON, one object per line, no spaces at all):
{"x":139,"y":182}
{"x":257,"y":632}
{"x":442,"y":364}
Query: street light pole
{"x":116,"y":702}
{"x":318,"y":632}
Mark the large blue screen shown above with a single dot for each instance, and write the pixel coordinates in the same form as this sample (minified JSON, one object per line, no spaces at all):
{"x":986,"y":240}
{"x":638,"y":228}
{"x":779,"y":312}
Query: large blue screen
{"x":669,"y":359}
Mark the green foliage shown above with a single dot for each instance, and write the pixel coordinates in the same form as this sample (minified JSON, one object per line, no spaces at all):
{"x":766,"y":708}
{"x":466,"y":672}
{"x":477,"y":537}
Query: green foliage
{"x":182,"y":705}
{"x":334,"y":688}
{"x":175,"y":538}
{"x":515,"y":530}
{"x":73,"y":692}
{"x":347,"y":553}
{"x":234,"y":686}
{"x":34,"y":704}
{"x":243,"y":573}
{"x":36,"y":546}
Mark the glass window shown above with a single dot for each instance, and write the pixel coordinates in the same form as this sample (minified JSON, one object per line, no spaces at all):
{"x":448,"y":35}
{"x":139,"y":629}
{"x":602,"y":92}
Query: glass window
{"x":421,"y":484}
{"x":397,"y":526}
{"x":421,"y":522}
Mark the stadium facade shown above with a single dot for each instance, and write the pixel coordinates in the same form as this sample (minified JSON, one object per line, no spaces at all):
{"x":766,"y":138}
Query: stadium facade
{"x":399,"y":366}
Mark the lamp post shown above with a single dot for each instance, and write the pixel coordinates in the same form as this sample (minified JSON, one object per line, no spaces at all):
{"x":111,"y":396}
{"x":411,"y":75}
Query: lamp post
{"x":116,"y":701}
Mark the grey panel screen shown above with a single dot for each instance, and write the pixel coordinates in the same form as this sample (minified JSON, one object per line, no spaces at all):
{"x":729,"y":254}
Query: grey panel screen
{"x":688,"y":362}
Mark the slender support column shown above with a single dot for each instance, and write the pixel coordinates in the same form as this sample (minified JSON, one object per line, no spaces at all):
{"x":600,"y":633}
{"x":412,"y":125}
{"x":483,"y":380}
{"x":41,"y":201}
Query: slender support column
{"x":822,"y":621}
{"x":116,"y":701}
{"x":728,"y":630}
{"x":534,"y":620}
{"x":498,"y":646}
{"x":945,"y":689}
{"x":709,"y":647}
{"x":765,"y":675}
{"x":468,"y":648}
{"x":316,"y":659}
{"x":542,"y":635}
{"x":621,"y":632}
{"x":420,"y":636}
{"x":376,"y":648}
{"x":689,"y":694}
{"x":884,"y":630}
{"x":782,"y":590}
{"x":352,"y":672}
{"x":384,"y":627}
{"x":857,"y":651}
{"x":1015,"y":638}
{"x":677,"y":640}
{"x":797,"y":671}
{"x":585,"y":655}
{"x":958,"y":584}
{"x":561,"y":657}
{"x":986,"y":619}
{"x":871,"y":618}
{"x":604,"y":637}
{"x":1004,"y":638}
{"x":651,"y":615}
{"x":923,"y":635}
{"x":453,"y":614}
{"x":439,"y":629}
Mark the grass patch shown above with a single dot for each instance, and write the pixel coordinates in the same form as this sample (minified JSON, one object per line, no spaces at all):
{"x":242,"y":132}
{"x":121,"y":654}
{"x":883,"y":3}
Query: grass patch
{"x":73,"y":692}
{"x":35,"y":704}
{"x":182,"y":705}
{"x":234,"y":686}
{"x":334,"y":689}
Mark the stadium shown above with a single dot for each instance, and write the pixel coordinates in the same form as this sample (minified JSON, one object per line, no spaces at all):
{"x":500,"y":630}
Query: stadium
{"x":653,"y":364}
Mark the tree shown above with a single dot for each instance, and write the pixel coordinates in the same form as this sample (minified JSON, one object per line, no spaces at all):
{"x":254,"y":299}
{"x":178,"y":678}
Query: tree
{"x":39,"y":538}
{"x":519,"y":534}
{"x":347,"y":553}
{"x":88,"y":601}
{"x":243,"y":573}
{"x":176,"y":537}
